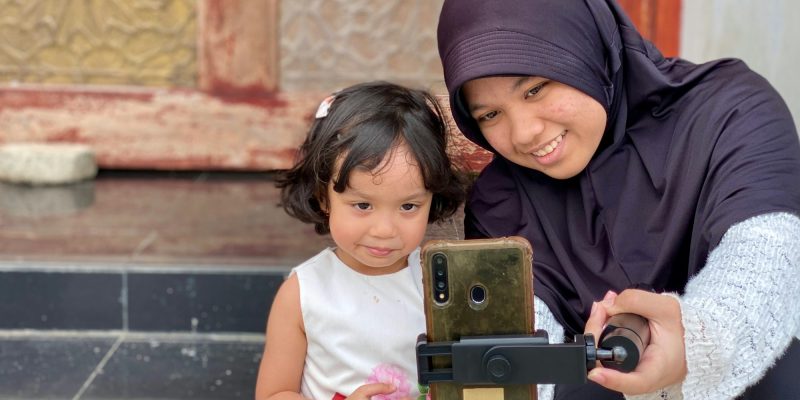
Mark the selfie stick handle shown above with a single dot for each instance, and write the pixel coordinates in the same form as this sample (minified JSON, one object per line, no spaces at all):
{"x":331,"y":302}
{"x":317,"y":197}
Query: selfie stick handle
{"x":623,"y":341}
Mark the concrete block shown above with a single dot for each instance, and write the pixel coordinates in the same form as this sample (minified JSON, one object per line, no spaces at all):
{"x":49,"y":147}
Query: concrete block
{"x":45,"y":201}
{"x":46,"y":163}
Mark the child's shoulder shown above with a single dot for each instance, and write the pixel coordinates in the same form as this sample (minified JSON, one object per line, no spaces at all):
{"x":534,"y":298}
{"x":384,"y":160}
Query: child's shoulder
{"x":322,"y":259}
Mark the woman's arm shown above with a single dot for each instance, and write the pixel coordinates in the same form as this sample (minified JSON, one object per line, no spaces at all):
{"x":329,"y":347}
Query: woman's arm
{"x":738,"y":314}
{"x":285,"y":349}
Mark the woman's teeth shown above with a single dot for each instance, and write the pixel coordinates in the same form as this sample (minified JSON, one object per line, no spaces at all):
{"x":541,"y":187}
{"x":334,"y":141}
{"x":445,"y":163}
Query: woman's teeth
{"x":550,"y":147}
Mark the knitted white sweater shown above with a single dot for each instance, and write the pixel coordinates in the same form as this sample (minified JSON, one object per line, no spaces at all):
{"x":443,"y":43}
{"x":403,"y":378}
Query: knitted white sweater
{"x":739,"y":313}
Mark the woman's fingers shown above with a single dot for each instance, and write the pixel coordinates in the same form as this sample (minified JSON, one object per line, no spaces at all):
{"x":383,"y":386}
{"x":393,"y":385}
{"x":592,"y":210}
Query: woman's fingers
{"x":650,"y":305}
{"x":599,"y":316}
{"x":663,"y":362}
{"x":642,"y":380}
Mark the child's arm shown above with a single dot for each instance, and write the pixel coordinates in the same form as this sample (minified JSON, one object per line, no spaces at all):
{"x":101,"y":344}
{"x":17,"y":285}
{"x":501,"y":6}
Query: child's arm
{"x":285,"y":348}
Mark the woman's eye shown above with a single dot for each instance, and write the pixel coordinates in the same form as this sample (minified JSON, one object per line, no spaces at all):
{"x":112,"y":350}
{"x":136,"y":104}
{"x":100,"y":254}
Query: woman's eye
{"x":534,"y":90}
{"x":488,"y":116}
{"x":362,"y":206}
{"x":408,"y":207}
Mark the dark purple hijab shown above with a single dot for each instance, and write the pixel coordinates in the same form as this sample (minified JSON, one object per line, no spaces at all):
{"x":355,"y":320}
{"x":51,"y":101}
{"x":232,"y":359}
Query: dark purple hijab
{"x":688,"y":151}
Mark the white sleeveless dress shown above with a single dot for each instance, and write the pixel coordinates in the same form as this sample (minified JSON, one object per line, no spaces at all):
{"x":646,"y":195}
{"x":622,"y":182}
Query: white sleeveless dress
{"x":359,"y":328}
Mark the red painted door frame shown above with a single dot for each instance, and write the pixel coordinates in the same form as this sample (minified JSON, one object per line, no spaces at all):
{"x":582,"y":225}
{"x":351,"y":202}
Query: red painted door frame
{"x":657,"y":20}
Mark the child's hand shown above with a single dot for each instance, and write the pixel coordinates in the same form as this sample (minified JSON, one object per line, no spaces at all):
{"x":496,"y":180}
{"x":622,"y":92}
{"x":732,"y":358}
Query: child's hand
{"x":365,"y":392}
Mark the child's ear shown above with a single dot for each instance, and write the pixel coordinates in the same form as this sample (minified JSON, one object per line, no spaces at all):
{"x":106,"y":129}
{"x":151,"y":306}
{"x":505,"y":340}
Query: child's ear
{"x":323,"y":206}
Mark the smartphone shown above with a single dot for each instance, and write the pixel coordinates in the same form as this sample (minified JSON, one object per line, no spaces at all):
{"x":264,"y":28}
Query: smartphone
{"x":477,"y":287}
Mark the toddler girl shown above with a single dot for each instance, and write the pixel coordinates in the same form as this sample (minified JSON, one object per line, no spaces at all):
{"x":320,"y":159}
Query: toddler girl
{"x":373,"y":172}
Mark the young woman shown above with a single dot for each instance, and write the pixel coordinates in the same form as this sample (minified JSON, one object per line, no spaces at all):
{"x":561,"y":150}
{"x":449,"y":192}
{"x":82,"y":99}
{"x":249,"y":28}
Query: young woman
{"x":624,"y":168}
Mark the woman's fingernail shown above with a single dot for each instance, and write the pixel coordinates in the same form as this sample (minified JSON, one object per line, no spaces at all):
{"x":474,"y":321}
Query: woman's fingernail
{"x":596,"y":376}
{"x":594,"y":307}
{"x":608,"y":300}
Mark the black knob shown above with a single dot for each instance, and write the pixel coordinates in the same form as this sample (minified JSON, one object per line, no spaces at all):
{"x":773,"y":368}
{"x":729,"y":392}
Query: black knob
{"x":498,"y":368}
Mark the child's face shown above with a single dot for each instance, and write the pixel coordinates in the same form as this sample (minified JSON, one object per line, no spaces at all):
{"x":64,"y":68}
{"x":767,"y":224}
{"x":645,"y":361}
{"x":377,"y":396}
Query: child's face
{"x":381,"y":216}
{"x":537,"y":123}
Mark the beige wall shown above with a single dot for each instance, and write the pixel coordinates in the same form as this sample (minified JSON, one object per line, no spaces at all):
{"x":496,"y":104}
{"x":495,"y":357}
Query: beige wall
{"x":328,"y":44}
{"x":765,"y":34}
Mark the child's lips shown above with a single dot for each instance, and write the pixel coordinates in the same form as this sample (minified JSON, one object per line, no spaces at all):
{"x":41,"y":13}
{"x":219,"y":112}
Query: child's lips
{"x":379,"y":251}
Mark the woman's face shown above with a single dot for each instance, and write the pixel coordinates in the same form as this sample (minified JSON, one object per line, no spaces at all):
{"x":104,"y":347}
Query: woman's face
{"x":536,"y":122}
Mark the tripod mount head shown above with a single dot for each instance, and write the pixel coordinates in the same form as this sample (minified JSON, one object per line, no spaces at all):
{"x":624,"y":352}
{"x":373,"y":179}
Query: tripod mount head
{"x":531,"y":359}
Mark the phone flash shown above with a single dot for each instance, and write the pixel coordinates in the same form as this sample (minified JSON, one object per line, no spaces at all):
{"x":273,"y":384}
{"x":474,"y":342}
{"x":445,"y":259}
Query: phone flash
{"x":441,"y":296}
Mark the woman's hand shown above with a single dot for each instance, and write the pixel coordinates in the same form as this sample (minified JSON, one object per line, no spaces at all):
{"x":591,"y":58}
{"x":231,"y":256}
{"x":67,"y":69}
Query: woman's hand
{"x":365,"y":392}
{"x":663,"y":362}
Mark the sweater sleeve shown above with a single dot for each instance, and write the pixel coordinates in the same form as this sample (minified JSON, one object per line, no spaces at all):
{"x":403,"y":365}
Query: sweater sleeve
{"x":740,"y":312}
{"x":545,"y":320}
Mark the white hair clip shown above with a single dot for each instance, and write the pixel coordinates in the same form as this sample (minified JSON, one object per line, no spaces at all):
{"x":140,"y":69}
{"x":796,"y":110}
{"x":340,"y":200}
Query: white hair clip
{"x":324,"y":106}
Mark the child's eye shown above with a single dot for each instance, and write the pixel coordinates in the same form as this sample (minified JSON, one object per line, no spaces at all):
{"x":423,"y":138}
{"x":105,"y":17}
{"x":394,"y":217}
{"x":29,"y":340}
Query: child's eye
{"x":408,"y":207}
{"x":535,"y":90}
{"x":488,"y":116}
{"x":362,"y":206}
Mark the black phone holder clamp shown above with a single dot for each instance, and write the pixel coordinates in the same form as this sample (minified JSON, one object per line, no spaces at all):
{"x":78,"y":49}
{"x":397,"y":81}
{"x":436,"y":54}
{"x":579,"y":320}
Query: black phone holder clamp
{"x":530,"y":359}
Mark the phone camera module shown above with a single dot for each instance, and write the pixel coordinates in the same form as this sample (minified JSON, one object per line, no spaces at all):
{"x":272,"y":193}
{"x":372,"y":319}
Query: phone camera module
{"x":441,"y":293}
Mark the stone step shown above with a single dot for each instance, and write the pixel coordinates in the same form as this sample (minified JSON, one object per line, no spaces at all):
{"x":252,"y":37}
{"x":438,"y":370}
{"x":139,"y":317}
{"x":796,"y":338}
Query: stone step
{"x":82,"y":365}
{"x":137,"y":297}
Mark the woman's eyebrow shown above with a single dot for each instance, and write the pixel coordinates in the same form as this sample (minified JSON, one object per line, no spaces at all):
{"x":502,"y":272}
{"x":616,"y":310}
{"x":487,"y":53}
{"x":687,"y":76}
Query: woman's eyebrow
{"x":475,"y":106}
{"x":519,"y":82}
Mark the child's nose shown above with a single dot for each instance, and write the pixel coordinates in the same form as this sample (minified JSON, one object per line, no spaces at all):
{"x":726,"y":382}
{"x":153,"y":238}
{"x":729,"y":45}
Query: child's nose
{"x":383,"y":227}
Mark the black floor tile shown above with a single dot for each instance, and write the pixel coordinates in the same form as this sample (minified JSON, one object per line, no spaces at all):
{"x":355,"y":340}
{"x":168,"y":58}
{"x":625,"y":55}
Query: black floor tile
{"x":49,"y":367}
{"x":201,"y":302}
{"x":159,"y":369}
{"x":60,"y":300}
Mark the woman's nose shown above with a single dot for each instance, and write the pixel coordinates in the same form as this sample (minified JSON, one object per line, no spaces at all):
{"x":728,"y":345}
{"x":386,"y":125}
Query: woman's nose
{"x":526,"y":131}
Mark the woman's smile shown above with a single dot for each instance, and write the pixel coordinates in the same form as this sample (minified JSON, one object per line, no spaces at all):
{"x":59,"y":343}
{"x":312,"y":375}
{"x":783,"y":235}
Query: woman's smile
{"x":549,"y":147}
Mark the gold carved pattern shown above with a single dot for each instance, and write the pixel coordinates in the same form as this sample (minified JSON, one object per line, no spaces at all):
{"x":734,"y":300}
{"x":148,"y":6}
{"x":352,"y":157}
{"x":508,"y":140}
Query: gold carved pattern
{"x":128,"y":42}
{"x":328,"y":44}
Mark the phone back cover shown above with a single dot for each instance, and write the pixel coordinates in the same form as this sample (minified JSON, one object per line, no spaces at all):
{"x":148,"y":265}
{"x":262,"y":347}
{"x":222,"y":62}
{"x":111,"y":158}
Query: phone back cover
{"x":503,"y":266}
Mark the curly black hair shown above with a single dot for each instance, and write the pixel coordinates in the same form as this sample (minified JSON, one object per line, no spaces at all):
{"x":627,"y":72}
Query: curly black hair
{"x":364,"y":123}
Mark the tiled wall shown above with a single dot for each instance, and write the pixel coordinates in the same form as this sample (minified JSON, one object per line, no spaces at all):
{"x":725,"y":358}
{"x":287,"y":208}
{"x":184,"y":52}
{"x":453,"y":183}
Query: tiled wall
{"x":159,"y":301}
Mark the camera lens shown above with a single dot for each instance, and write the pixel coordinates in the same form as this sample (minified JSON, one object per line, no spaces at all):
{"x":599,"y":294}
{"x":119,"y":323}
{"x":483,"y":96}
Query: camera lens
{"x":438,"y":259}
{"x":440,"y":285}
{"x":440,"y":273}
